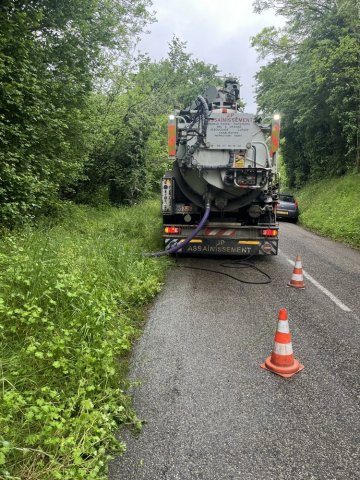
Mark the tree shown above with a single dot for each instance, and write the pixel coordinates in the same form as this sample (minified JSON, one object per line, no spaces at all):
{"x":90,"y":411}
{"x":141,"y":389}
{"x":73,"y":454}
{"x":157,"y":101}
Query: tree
{"x":51,"y":54}
{"x":130,"y":154}
{"x":313,"y":79}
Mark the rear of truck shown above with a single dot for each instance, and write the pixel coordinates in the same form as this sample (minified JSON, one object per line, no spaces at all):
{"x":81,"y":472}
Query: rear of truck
{"x":220,"y":196}
{"x":224,"y":239}
{"x":221,"y":235}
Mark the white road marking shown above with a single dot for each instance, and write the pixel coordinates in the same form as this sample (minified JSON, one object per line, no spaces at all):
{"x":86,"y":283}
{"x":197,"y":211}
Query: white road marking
{"x":320,"y":287}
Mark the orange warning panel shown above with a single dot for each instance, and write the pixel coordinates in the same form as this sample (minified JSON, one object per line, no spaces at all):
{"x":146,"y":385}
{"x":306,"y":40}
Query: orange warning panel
{"x":172,"y":137}
{"x":275,"y":137}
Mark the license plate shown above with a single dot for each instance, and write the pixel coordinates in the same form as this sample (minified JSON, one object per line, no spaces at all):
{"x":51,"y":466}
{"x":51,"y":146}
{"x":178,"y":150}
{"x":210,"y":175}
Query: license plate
{"x":282,"y":212}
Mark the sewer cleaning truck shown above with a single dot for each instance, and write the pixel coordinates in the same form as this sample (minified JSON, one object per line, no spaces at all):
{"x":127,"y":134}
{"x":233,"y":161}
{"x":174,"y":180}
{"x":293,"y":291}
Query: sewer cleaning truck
{"x":220,"y":196}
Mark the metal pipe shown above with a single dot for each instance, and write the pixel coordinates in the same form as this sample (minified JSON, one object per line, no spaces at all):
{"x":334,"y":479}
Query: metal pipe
{"x":254,"y":155}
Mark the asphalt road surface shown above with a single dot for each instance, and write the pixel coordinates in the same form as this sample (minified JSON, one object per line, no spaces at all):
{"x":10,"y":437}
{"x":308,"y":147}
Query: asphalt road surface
{"x":211,"y":412}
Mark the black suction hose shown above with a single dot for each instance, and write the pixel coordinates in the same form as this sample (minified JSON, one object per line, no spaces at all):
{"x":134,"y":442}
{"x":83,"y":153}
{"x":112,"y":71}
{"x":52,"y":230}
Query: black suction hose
{"x":202,"y":135}
{"x":188,"y":239}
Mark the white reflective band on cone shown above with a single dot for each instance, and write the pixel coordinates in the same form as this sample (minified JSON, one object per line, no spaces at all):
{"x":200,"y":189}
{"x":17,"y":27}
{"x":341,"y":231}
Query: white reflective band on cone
{"x":297,"y":277}
{"x":283,"y":326}
{"x":283,"y":348}
{"x":298,"y":264}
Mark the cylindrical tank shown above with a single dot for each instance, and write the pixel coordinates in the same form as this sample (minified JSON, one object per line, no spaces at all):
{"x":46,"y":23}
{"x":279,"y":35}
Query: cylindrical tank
{"x":222,"y":153}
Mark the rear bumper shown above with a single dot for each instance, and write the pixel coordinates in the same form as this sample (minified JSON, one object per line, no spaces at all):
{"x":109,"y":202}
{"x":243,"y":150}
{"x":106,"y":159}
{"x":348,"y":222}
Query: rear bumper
{"x":290,"y":214}
{"x":225,"y":246}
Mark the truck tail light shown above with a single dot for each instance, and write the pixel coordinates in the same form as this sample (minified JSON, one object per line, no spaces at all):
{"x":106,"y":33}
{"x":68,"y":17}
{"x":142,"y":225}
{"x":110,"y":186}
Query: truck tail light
{"x":172,"y":230}
{"x":269,"y":232}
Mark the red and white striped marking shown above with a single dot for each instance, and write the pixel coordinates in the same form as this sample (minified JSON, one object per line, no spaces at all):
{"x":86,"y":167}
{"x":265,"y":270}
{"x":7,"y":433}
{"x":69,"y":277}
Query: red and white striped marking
{"x":220,"y":232}
{"x":281,"y":360}
{"x":282,"y":353}
{"x":297,"y":278}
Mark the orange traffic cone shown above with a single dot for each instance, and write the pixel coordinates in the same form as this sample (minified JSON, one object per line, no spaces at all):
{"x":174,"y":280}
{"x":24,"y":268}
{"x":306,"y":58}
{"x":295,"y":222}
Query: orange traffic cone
{"x":297,"y":279}
{"x":281,"y":360}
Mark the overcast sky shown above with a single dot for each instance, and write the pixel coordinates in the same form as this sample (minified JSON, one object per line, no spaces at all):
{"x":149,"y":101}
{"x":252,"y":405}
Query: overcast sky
{"x":216,"y":31}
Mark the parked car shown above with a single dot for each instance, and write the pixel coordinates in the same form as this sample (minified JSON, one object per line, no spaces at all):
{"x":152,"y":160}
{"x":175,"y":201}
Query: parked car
{"x":287,"y":207}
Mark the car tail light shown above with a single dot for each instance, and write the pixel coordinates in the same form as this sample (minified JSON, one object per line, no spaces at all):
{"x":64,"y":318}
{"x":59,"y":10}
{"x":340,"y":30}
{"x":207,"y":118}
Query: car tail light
{"x":172,"y":230}
{"x":269,"y":232}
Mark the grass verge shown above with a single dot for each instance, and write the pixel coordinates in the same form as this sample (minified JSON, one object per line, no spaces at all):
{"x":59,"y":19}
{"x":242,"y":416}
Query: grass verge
{"x":72,"y":300}
{"x":332,"y":208}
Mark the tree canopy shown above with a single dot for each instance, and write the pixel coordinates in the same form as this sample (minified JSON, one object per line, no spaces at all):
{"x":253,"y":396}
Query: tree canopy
{"x":51,"y":54}
{"x":129,"y":154}
{"x":313,"y":80}
{"x":81,"y":114}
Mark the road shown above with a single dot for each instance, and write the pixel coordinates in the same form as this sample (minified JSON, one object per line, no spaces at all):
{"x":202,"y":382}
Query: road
{"x":211,"y":412}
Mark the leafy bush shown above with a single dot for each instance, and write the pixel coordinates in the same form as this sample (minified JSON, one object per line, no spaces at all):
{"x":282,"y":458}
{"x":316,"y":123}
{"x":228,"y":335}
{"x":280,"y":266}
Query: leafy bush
{"x":71,"y":306}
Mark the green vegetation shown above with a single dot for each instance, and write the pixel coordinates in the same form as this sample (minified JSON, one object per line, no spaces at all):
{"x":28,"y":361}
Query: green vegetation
{"x":313,"y":81}
{"x":331,"y":207}
{"x":83,"y":118}
{"x":129,"y":153}
{"x":80,"y":109}
{"x":73,"y":296}
{"x":52,"y":56}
